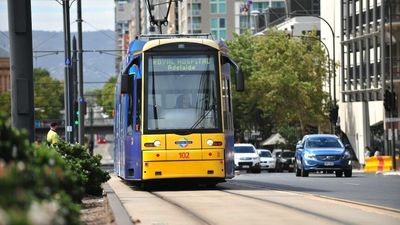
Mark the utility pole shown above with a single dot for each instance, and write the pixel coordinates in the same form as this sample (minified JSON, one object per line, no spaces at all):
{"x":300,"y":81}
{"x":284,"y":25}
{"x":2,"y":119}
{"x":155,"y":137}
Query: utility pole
{"x":75,"y":108}
{"x":91,"y":140}
{"x":20,"y":31}
{"x":67,"y":74}
{"x":81,"y":100}
{"x":392,"y":103}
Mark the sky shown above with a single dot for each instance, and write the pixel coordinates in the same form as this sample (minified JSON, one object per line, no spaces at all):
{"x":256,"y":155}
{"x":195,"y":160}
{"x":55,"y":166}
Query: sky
{"x":47,"y":15}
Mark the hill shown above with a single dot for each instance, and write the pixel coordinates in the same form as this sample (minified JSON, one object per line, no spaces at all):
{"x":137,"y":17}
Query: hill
{"x":98,"y":67}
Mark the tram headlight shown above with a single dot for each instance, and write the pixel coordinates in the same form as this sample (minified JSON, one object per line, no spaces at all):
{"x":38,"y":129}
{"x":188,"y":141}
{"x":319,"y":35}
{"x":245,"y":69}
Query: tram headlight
{"x":157,"y":143}
{"x":213,"y":143}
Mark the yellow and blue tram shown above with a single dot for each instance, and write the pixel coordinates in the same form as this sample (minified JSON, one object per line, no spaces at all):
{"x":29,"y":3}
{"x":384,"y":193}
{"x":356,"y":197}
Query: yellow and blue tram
{"x":173,"y":110}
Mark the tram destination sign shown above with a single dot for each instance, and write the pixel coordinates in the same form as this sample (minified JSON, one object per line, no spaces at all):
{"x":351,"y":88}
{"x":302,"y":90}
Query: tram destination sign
{"x":181,"y":63}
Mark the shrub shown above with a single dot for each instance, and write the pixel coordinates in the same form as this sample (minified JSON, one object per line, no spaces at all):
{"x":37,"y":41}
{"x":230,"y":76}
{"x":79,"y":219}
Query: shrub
{"x":35,"y":179}
{"x":86,"y":167}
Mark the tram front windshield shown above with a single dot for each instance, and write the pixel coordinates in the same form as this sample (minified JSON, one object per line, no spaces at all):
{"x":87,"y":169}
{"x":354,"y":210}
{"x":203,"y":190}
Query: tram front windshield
{"x":181,"y":93}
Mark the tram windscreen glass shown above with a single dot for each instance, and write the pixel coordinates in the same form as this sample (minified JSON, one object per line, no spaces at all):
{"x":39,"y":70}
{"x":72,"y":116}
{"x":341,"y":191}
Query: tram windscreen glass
{"x":182,"y":93}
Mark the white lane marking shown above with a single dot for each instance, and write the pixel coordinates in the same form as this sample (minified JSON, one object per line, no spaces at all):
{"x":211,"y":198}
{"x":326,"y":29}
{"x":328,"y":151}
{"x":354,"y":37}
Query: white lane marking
{"x":352,"y":184}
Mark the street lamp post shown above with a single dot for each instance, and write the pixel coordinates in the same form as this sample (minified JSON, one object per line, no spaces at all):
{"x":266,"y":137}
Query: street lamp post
{"x":329,"y":67}
{"x":392,"y":103}
{"x":334,"y":107}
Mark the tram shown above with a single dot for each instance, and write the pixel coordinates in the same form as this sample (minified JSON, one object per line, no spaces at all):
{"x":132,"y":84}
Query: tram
{"x":173,"y":110}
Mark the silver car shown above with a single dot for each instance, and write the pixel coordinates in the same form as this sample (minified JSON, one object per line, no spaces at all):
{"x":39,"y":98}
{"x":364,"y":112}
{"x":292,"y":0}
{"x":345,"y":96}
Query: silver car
{"x":266,"y":160}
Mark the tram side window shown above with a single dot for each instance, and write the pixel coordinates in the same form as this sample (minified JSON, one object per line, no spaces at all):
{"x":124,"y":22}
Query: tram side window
{"x":130,"y":108}
{"x":138,"y":103}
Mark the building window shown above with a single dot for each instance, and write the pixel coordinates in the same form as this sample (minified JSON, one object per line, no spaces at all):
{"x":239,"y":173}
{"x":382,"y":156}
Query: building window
{"x":218,"y":6}
{"x":260,"y":6}
{"x":218,"y":28}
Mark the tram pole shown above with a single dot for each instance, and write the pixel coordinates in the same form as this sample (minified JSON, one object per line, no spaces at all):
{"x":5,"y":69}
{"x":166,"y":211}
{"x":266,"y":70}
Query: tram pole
{"x":81,"y":100}
{"x":67,"y":73}
{"x":20,"y":31}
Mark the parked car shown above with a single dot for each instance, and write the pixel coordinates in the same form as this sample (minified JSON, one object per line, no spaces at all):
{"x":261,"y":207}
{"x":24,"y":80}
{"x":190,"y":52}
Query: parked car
{"x":247,"y":158}
{"x":266,"y":159}
{"x":285,"y":161}
{"x":322,"y":152}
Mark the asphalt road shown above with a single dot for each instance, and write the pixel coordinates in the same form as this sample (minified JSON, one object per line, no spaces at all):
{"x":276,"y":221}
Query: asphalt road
{"x":379,"y":190}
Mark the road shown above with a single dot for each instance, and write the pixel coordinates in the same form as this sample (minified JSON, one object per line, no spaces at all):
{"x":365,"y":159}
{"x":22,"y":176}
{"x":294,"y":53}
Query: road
{"x":366,"y":188}
{"x":267,"y":198}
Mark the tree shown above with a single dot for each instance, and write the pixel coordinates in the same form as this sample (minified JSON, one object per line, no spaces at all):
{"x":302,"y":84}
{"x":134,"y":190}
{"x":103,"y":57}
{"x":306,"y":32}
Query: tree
{"x":284,"y":80}
{"x":48,"y":92}
{"x":93,"y":97}
{"x":49,"y":95}
{"x":5,"y":103}
{"x":107,"y":96}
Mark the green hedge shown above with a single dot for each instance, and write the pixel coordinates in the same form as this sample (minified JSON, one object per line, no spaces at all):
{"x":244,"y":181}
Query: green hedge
{"x":42,"y":184}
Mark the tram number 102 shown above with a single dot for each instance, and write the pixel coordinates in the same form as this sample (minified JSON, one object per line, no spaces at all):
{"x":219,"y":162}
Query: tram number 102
{"x":184,"y":155}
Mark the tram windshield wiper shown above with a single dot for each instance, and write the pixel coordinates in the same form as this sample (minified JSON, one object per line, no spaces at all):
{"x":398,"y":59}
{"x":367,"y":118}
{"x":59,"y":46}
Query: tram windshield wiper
{"x":201,"y":118}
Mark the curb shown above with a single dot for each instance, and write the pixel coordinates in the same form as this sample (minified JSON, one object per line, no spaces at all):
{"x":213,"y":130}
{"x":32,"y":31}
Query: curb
{"x":391,"y":173}
{"x":120,"y":214}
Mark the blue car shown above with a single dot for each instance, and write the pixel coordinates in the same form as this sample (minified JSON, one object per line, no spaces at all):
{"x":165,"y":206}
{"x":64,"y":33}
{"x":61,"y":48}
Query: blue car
{"x":322,"y":152}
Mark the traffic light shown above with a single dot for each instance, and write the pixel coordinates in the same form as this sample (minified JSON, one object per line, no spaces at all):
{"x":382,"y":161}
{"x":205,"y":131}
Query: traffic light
{"x":395,"y":109}
{"x":389,"y":100}
{"x":76,"y":113}
{"x":76,"y":120}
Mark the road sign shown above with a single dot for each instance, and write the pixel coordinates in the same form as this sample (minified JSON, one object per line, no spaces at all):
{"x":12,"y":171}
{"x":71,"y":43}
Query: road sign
{"x":69,"y":128}
{"x":68,"y":61}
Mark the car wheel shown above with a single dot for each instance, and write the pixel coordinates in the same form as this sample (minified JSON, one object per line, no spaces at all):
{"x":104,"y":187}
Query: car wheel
{"x":348,"y":173}
{"x":256,"y":169}
{"x":304,"y":173}
{"x":296,"y":169}
{"x":339,"y":173}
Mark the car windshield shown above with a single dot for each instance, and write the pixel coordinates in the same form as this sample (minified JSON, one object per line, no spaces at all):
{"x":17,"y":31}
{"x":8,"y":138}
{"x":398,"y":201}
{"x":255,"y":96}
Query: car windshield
{"x":244,"y":149}
{"x":323,"y":142}
{"x":265,"y":154}
{"x":287,"y":154}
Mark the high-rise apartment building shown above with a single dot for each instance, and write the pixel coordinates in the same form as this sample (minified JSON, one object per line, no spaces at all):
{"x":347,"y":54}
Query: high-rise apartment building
{"x":207,"y":16}
{"x":253,"y":14}
{"x":123,"y":12}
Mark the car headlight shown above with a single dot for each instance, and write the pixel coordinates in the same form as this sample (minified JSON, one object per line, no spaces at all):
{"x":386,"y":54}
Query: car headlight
{"x":308,"y":155}
{"x":346,"y":155}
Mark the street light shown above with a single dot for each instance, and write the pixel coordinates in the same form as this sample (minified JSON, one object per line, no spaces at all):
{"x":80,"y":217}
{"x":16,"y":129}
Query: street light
{"x":332,"y":110}
{"x":392,"y":99}
{"x":335,"y":106}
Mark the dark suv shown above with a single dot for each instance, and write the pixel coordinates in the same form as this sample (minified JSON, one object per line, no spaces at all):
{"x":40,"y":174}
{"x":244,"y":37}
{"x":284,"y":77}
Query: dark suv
{"x":285,"y":161}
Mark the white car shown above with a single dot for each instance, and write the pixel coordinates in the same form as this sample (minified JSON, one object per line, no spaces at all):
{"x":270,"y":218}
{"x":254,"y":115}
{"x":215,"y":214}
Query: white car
{"x":266,"y":159}
{"x":246,"y":157}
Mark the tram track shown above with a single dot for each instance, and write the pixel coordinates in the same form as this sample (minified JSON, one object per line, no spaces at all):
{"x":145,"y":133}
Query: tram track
{"x":330,"y":218}
{"x":324,"y":197}
{"x":202,"y":220}
{"x":192,"y":214}
{"x":240,"y":197}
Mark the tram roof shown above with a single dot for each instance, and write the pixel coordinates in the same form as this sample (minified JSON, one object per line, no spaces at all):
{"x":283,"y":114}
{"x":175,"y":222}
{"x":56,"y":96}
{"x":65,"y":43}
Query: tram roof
{"x":155,"y":43}
{"x":146,"y":42}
